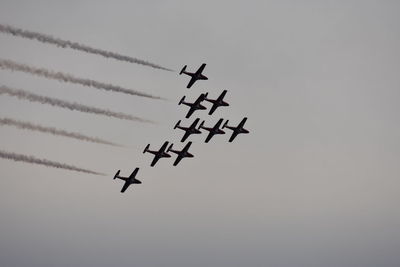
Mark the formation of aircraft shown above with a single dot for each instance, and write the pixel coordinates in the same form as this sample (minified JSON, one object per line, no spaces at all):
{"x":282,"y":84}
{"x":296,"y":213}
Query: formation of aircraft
{"x":128,"y":180}
{"x":194,"y":75}
{"x":217,"y":129}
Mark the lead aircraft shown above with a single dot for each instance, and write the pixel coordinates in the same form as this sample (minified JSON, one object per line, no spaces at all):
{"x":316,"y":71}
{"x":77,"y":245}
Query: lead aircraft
{"x":128,"y":180}
{"x":213,"y":130}
{"x":161,"y":153}
{"x":236,"y":130}
{"x":181,"y":154}
{"x":195,"y":75}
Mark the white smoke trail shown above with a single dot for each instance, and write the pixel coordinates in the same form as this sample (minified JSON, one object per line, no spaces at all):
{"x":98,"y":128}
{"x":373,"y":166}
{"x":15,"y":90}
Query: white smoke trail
{"x":44,"y":38}
{"x":45,"y":162}
{"x":54,"y":131}
{"x":63,"y":77}
{"x":21,"y":94}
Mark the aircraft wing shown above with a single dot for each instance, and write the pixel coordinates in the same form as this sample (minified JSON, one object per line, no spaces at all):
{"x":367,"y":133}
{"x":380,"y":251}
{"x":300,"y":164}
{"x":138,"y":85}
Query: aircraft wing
{"x":133,"y":174}
{"x":234,"y":134}
{"x":209,"y":136}
{"x":164,"y":147}
{"x":190,"y":112}
{"x":218,"y":124}
{"x":213,"y":108}
{"x":156,"y":158}
{"x":186,"y":148}
{"x":241,"y":124}
{"x":178,"y":159}
{"x":126,"y":185}
{"x":185,"y":136}
{"x":200,"y":70}
{"x":191,"y":82}
{"x":222,"y":95}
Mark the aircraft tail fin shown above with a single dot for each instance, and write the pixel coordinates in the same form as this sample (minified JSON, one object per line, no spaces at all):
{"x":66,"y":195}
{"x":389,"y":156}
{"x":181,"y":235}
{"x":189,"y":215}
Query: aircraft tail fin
{"x":146,"y":148}
{"x":117,"y":174}
{"x":182,"y":99}
{"x":183,"y":70}
{"x":225,"y":124}
{"x":177,"y":124}
{"x":201,"y":124}
{"x":205,"y":95}
{"x":170,"y":147}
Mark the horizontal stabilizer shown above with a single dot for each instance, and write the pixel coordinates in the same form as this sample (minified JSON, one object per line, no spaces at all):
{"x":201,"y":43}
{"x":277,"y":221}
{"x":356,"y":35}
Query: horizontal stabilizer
{"x":201,"y":124}
{"x":182,"y":99}
{"x":177,"y":124}
{"x":225,"y":124}
{"x":170,"y":147}
{"x":146,"y":148}
{"x":183,"y":70}
{"x":117,"y":174}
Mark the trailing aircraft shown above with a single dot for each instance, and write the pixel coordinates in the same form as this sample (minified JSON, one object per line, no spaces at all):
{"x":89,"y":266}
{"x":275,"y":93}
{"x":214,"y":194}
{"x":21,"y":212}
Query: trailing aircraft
{"x":213,"y":130}
{"x":236,"y":130}
{"x":128,"y":180}
{"x":188,"y":130}
{"x":161,"y":153}
{"x":195,"y":75}
{"x":219,"y":102}
{"x":181,"y":154}
{"x":195,"y":105}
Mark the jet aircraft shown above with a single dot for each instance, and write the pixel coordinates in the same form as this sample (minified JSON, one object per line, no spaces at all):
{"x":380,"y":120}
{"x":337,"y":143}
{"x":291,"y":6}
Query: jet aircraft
{"x":195,"y":105}
{"x":236,"y":130}
{"x":128,"y":180}
{"x":195,"y":75}
{"x":219,"y":102}
{"x":181,"y":154}
{"x":188,"y":130}
{"x":161,"y":153}
{"x":213,"y":130}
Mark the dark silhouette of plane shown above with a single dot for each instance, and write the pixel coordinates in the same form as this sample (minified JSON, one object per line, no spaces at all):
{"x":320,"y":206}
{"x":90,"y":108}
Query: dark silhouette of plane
{"x":236,"y":130}
{"x":195,"y":105}
{"x":181,"y":154}
{"x":219,"y":102}
{"x":213,"y":130}
{"x":195,"y":75}
{"x":128,"y":180}
{"x":157,"y":154}
{"x":188,"y":130}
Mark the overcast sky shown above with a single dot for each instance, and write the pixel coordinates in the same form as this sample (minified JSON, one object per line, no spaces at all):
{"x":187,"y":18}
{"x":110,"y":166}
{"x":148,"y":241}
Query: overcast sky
{"x":315,"y":183}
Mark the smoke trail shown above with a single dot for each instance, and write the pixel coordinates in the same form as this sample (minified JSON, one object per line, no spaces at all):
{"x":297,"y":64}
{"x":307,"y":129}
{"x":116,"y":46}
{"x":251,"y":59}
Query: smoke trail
{"x":21,"y":94}
{"x":44,"y":38}
{"x":54,"y":131}
{"x":63,"y":77}
{"x":45,"y":162}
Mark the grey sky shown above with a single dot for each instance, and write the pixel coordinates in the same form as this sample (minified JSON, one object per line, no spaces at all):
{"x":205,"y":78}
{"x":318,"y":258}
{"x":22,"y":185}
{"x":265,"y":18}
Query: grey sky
{"x":316,"y":183}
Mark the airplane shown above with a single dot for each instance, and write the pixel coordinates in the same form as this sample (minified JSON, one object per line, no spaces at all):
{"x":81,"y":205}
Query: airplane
{"x":219,"y":102}
{"x":213,"y":130}
{"x":157,"y":154}
{"x":236,"y":130}
{"x":195,"y":75}
{"x":195,"y":105}
{"x":181,"y":154}
{"x":188,"y":130}
{"x":128,"y":180}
